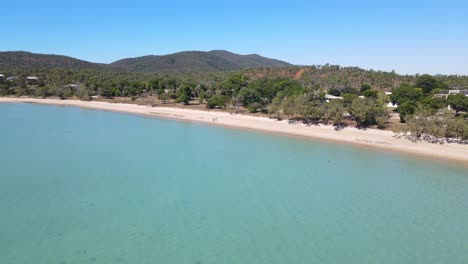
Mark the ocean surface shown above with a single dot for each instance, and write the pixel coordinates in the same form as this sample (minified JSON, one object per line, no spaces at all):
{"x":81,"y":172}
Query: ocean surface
{"x":86,"y":186}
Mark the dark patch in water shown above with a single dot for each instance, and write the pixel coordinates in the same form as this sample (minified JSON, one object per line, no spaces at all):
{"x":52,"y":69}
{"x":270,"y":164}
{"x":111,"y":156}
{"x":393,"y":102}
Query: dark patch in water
{"x":81,"y":251}
{"x":93,"y":259}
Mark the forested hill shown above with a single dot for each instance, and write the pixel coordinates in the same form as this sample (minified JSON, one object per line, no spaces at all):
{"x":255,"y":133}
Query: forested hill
{"x":203,"y":67}
{"x":20,"y":60}
{"x":197,"y":61}
{"x":178,"y":63}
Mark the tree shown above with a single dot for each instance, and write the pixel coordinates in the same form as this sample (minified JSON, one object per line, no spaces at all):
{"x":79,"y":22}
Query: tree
{"x":348,"y":99}
{"x":349,"y":90}
{"x":406,"y":108}
{"x":42,"y":92}
{"x":83,"y":93}
{"x":381,"y":117}
{"x":361,"y":110}
{"x":247,"y":96}
{"x":458,"y":102}
{"x":404,"y":94}
{"x":370,"y":93}
{"x":233,"y":85}
{"x":313,"y":110}
{"x":426,"y":82}
{"x":217,"y":101}
{"x":4,"y":90}
{"x":334,"y":92}
{"x":164,"y":97}
{"x":335,"y":111}
{"x":290,"y":106}
{"x":434,"y":103}
{"x":365,"y":87}
{"x":107,"y":92}
{"x":419,"y":123}
{"x":275,"y":107}
{"x":184,"y":94}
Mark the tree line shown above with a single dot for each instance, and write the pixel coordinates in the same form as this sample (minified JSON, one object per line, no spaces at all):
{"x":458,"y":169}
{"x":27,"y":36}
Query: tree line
{"x":278,"y":96}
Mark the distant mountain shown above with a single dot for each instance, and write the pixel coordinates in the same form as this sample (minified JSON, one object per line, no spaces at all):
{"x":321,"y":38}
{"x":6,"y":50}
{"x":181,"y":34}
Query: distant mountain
{"x":182,"y":62}
{"x":28,"y":60}
{"x":197,"y":61}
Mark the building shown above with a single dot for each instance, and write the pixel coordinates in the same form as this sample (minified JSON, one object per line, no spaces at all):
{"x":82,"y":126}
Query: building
{"x":2,"y":77}
{"x":445,"y":94}
{"x":32,"y":80}
{"x":329,"y":97}
{"x":390,"y":104}
{"x":465,"y":92}
{"x":72,"y":86}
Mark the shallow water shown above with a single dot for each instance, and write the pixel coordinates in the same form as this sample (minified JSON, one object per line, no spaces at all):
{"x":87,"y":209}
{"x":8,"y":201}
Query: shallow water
{"x":85,"y":186}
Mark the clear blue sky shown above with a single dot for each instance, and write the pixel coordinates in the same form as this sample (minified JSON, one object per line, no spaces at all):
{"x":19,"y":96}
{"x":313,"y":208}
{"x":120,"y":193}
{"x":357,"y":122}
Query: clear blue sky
{"x":407,"y":36}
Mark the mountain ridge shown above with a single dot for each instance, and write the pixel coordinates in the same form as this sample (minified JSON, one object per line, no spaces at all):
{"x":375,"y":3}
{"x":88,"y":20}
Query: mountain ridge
{"x":180,"y":62}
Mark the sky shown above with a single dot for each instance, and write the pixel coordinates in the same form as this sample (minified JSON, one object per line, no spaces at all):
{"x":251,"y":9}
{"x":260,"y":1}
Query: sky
{"x":406,"y":36}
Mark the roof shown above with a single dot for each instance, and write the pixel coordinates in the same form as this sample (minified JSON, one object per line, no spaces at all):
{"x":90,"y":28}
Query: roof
{"x":329,"y":96}
{"x":32,"y":78}
{"x":465,"y":92}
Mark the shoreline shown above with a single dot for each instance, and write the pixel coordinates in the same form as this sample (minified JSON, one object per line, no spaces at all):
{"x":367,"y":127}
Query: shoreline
{"x":372,"y":138}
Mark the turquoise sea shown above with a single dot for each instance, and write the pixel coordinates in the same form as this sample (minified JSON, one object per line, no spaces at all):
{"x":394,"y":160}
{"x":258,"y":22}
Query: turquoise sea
{"x":85,"y":186}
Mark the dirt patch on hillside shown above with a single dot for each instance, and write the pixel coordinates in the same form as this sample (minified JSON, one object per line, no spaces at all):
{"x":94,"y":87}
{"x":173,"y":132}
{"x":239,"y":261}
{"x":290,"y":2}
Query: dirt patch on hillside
{"x":298,"y":74}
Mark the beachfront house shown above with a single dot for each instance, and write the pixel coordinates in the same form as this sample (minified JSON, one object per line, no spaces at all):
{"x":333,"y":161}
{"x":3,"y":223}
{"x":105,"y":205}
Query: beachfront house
{"x":390,"y":104}
{"x":458,"y":91}
{"x":445,"y":93}
{"x":72,"y":86}
{"x":329,"y":97}
{"x":32,"y":80}
{"x":441,"y":94}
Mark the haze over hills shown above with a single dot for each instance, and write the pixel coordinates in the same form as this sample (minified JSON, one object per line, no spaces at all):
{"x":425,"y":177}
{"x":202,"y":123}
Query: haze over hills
{"x":182,"y":62}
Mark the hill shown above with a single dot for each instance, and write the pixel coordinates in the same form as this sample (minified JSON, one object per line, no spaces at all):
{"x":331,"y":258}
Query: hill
{"x":197,"y":61}
{"x":27,"y":60}
{"x":182,"y":62}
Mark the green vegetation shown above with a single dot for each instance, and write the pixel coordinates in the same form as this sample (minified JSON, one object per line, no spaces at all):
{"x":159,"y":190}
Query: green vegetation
{"x":434,"y":127}
{"x":296,"y":93}
{"x":458,"y":102}
{"x":187,"y":62}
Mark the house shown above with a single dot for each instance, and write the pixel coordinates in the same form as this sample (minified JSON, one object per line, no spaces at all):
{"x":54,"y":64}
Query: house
{"x":442,"y":94}
{"x":390,"y":104}
{"x":72,"y":86}
{"x":458,"y":91}
{"x":32,"y":80}
{"x":329,"y":97}
{"x":2,"y":77}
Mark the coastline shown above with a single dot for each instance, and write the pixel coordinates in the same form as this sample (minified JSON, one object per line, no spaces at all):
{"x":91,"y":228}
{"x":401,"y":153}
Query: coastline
{"x":377,"y":139}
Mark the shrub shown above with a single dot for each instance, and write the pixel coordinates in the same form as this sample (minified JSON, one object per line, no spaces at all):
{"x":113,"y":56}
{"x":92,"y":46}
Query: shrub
{"x":217,"y":101}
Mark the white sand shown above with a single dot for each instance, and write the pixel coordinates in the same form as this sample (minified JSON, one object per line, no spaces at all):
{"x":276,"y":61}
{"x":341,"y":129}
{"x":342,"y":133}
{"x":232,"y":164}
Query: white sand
{"x":369,"y":137}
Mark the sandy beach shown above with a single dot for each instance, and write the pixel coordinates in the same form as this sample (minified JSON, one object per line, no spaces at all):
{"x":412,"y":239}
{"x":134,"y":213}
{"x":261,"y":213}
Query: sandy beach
{"x":386,"y":140}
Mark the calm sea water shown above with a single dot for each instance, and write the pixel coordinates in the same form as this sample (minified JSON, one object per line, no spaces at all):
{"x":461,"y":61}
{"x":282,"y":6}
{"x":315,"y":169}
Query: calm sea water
{"x":84,"y":186}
